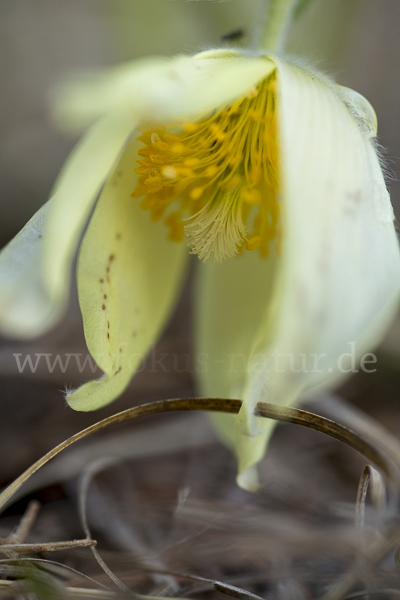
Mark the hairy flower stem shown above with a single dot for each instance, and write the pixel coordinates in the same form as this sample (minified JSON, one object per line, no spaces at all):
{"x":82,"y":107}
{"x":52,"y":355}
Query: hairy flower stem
{"x":279,"y":17}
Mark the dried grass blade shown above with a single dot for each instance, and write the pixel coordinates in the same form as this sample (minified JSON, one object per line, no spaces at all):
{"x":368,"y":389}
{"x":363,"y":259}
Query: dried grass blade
{"x":26,"y":523}
{"x":235,"y":592}
{"x":272,"y":411}
{"x":53,"y":567}
{"x":226,"y":588}
{"x":47,"y":547}
{"x":336,"y":431}
{"x":340,"y":411}
{"x":370,"y":477}
{"x":115,"y":529}
{"x":85,"y":593}
{"x":156,"y":439}
{"x":86,"y":479}
{"x":374,"y":556}
{"x":210,"y":404}
{"x":366,"y":593}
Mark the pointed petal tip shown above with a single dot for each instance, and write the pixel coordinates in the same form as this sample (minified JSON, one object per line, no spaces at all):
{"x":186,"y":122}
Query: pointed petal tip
{"x":94,"y":394}
{"x":248,"y":480}
{"x":361,"y":110}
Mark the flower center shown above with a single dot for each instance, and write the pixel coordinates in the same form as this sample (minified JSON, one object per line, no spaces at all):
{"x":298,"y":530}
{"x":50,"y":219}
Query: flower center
{"x":215,"y":180}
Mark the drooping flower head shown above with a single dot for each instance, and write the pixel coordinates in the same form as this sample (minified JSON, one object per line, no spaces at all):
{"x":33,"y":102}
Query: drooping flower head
{"x":269,"y":172}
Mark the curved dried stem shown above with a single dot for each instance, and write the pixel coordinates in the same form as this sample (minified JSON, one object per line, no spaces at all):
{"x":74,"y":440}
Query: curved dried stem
{"x":338,"y":432}
{"x":211,"y":404}
{"x":272,"y":411}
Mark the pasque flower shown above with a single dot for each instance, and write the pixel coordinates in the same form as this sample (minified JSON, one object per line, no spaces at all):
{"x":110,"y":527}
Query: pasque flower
{"x":265,"y":170}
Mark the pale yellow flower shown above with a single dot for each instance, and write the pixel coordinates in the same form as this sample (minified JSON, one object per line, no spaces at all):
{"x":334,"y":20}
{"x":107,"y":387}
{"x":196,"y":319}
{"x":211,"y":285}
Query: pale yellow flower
{"x":269,"y":172}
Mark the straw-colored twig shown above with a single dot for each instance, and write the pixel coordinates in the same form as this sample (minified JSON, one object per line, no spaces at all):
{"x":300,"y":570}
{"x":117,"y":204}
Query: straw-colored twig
{"x":47,"y":547}
{"x":299,"y":417}
{"x":272,"y":411}
{"x":25,"y":524}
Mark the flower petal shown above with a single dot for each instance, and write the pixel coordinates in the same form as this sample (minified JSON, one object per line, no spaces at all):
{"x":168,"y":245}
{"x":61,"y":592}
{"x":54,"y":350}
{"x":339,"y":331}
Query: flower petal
{"x":75,"y":193}
{"x":128,"y":278}
{"x":35,"y":267}
{"x":160,"y":88}
{"x":25,"y":305}
{"x":340,"y":272}
{"x":231,"y":300}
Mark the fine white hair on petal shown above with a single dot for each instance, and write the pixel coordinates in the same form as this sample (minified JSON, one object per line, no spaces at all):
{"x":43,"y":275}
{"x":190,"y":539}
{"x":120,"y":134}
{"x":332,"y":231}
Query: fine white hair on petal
{"x":361,"y":110}
{"x":68,"y":391}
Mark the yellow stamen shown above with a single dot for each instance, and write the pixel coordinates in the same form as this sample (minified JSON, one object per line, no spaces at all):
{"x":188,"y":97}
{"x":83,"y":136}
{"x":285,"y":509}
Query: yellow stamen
{"x":172,"y":138}
{"x":191,"y":162}
{"x":215,"y":180}
{"x":250,"y":195}
{"x":176,"y":228}
{"x":196,"y":193}
{"x":178,"y":148}
{"x":211,"y":171}
{"x":253,"y":243}
{"x":169,"y":172}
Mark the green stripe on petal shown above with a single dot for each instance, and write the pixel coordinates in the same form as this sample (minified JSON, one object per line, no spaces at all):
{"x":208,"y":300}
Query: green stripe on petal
{"x":129,"y":274}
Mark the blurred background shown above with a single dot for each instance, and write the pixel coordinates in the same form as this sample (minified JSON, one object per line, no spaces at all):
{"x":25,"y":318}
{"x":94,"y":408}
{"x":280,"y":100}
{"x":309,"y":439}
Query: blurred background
{"x":41,"y":42}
